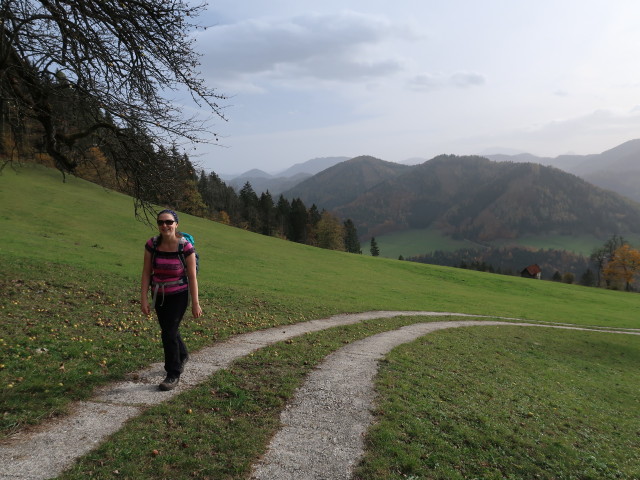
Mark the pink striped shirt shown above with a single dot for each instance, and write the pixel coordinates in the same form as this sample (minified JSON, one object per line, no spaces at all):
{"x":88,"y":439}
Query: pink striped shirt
{"x":167,"y":267}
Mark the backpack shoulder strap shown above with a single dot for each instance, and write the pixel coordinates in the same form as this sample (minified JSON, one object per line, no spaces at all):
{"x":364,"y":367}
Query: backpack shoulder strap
{"x":181,"y":243}
{"x":154,"y":243}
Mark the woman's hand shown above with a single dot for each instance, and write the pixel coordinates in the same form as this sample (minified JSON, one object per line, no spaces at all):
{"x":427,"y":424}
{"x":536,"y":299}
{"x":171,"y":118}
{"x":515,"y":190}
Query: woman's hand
{"x":196,"y":310}
{"x":146,"y":309}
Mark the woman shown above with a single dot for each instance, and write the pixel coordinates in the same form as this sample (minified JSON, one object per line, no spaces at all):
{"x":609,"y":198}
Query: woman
{"x":171,"y":271}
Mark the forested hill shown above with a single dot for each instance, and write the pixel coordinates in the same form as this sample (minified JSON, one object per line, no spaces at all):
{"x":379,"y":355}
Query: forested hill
{"x":469,"y":197}
{"x":345,"y":182}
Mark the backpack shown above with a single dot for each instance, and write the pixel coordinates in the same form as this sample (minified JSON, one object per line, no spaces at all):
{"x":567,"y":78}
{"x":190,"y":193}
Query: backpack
{"x":186,"y":237}
{"x":189,"y":238}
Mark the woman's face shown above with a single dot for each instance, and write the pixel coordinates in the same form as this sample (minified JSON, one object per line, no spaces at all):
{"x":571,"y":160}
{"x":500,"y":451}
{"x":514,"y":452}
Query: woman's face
{"x":166,"y":224}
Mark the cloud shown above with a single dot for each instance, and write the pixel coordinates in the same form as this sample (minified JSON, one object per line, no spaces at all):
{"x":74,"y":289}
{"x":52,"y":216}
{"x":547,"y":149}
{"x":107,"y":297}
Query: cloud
{"x":427,"y":82}
{"x":594,"y":132}
{"x":328,"y":47}
{"x":598,"y":121}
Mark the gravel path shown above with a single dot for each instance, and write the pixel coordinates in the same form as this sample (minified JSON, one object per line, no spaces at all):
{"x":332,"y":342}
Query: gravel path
{"x":323,"y":426}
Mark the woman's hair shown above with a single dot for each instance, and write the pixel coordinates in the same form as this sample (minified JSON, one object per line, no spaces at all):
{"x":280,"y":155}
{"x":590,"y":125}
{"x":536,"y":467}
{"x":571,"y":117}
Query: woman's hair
{"x":175,"y":217}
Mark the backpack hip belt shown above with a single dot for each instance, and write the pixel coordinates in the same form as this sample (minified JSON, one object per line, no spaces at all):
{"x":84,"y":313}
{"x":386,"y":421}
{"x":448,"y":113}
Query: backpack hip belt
{"x":160,"y":285}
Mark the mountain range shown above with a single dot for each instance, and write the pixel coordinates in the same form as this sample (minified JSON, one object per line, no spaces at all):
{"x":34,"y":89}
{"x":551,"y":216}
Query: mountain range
{"x":262,"y":181}
{"x":617,"y":169}
{"x":468,"y":197}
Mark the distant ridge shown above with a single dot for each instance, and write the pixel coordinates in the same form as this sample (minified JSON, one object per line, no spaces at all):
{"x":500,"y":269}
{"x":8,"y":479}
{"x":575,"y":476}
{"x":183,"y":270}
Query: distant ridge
{"x":313,"y":166}
{"x":262,"y":181}
{"x":468,"y":197}
{"x":616,"y":169}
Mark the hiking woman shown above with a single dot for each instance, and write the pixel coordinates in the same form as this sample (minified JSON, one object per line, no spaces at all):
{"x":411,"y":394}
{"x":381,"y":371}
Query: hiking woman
{"x":170,"y":270}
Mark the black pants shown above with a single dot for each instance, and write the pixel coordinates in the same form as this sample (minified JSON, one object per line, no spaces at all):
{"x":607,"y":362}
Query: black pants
{"x":170,"y":312}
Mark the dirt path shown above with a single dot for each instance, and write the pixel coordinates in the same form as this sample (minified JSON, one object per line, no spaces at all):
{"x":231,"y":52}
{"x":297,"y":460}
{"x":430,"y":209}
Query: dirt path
{"x":324,"y":425}
{"x":326,"y":429}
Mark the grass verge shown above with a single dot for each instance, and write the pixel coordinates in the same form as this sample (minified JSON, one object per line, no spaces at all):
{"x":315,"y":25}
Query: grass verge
{"x":508,"y":403}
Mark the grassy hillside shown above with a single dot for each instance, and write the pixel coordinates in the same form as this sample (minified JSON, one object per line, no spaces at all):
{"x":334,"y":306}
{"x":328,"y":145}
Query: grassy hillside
{"x":81,"y":225}
{"x":71,"y":256}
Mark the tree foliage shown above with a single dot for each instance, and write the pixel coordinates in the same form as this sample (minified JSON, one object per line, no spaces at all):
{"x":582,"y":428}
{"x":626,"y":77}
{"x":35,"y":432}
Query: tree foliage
{"x":623,"y":266}
{"x":287,"y":220}
{"x":373,"y":248}
{"x":351,"y":241}
{"x":510,"y":261}
{"x":76,"y":75}
{"x":330,"y":232}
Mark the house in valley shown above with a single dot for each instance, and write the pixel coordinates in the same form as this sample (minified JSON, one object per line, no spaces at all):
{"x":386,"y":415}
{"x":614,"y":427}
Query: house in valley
{"x":532,"y":271}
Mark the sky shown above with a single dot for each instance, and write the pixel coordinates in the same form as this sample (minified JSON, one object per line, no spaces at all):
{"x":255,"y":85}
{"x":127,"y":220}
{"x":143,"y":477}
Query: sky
{"x":410,"y":79}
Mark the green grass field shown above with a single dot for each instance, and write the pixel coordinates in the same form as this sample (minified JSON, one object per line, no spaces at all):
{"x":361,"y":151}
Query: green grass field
{"x":72,"y":256}
{"x":422,"y":241}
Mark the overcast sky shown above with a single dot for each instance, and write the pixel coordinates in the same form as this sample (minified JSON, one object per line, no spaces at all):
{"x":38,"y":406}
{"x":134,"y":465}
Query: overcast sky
{"x":417,"y":78}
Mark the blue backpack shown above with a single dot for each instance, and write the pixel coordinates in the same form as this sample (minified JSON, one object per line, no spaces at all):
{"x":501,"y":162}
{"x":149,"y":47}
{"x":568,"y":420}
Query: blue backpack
{"x":189,"y":238}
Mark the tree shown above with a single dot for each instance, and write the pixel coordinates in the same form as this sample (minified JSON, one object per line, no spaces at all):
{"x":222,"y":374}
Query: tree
{"x":299,"y":217}
{"x":604,"y":254}
{"x":249,"y":207}
{"x":77,"y":73}
{"x":375,"y":251}
{"x":283,"y":214}
{"x":219,"y":198}
{"x":267,"y":213}
{"x":313,"y":218}
{"x":588,"y":278}
{"x":351,"y":241}
{"x":623,"y":267}
{"x":599,"y":259}
{"x":330,"y":232}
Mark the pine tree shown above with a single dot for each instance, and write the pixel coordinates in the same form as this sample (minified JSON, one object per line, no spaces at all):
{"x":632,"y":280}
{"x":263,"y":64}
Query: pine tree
{"x":283,"y":217}
{"x":299,"y":217}
{"x":249,"y":205}
{"x":375,"y":251}
{"x":351,"y":242}
{"x":267,"y":213}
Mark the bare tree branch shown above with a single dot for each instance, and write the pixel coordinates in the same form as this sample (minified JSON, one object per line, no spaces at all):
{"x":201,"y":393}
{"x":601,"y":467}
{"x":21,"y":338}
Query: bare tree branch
{"x":112,"y":60}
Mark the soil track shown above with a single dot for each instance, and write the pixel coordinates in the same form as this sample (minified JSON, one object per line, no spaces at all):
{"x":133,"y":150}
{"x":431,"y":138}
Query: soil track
{"x":323,"y":425}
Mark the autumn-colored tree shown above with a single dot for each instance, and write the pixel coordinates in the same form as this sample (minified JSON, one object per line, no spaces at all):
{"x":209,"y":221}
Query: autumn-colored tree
{"x":330,"y":232}
{"x":223,"y":217}
{"x":623,"y":267}
{"x":604,"y":254}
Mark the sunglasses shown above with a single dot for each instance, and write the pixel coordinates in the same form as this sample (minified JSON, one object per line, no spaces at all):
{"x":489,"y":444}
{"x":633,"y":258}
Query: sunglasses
{"x":168,"y":223}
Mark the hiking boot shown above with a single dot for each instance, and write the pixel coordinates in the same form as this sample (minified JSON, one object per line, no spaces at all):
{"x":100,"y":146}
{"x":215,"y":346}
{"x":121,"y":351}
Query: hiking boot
{"x":169,"y":383}
{"x":183,"y":363}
